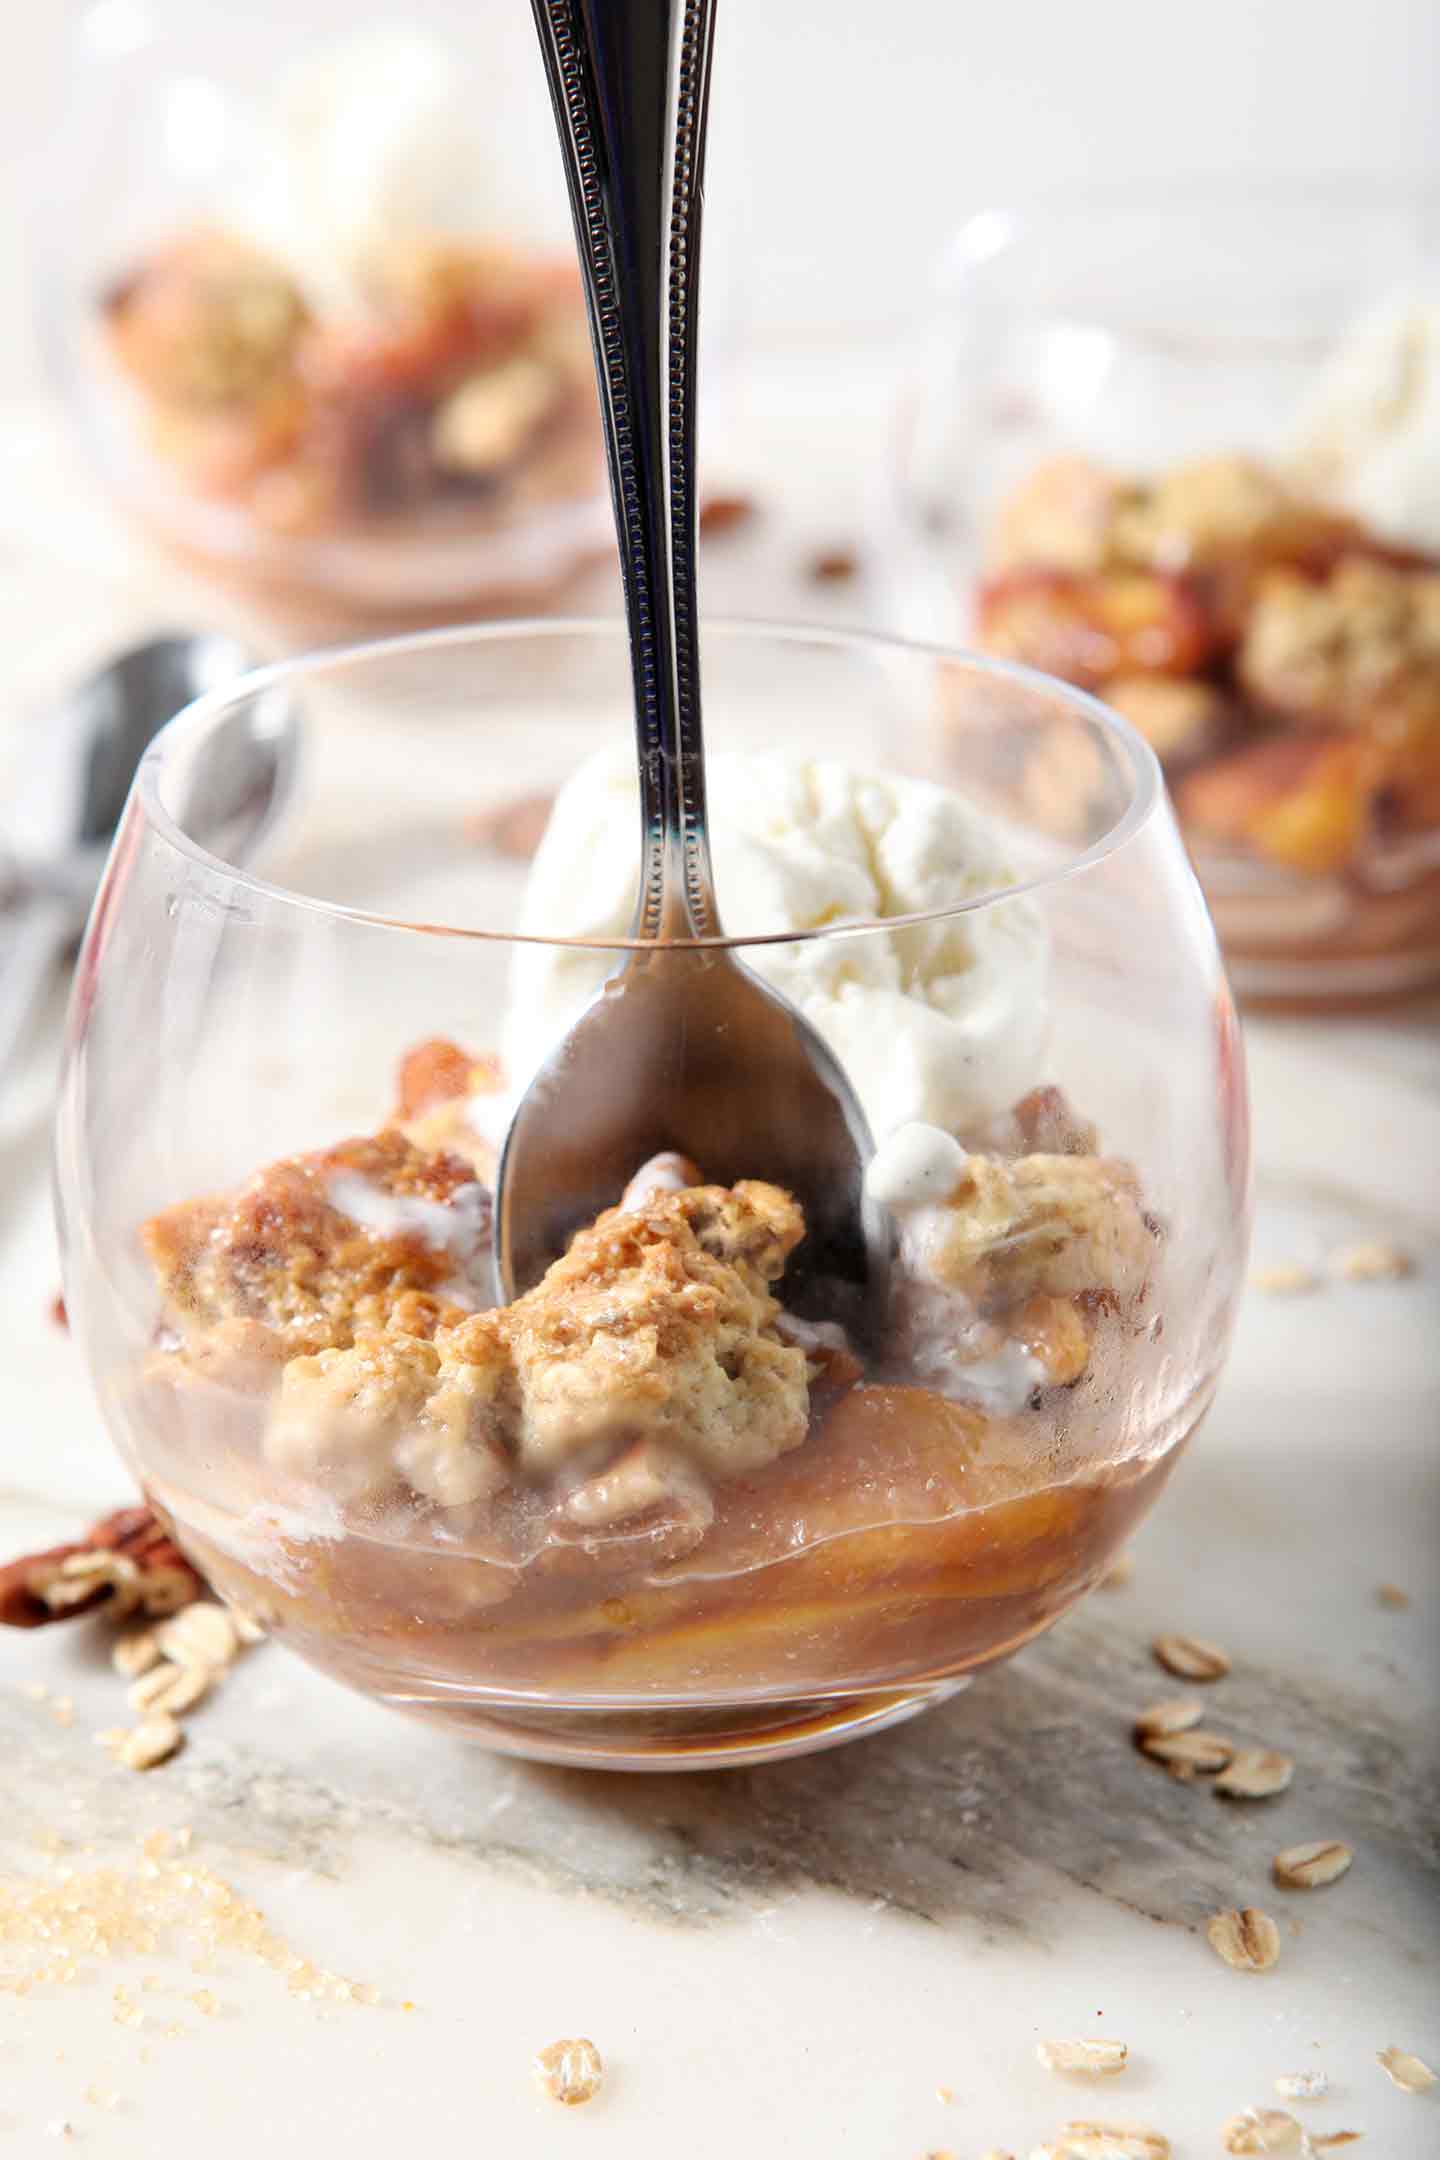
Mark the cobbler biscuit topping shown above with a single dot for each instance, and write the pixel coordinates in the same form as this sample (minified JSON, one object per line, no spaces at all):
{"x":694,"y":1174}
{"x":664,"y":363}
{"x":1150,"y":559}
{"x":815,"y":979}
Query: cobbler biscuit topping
{"x":319,"y":1246}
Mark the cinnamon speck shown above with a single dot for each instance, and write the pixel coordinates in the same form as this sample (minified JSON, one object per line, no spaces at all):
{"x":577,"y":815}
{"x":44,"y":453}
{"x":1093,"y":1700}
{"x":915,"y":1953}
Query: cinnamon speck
{"x":724,"y":513}
{"x":833,"y":566}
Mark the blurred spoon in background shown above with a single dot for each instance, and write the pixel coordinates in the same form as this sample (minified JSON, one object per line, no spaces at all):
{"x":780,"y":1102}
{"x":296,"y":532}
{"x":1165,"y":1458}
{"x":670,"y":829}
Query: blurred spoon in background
{"x":63,"y":815}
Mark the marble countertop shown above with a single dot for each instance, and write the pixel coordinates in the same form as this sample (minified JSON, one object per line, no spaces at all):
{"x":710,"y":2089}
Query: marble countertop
{"x":801,"y":1958}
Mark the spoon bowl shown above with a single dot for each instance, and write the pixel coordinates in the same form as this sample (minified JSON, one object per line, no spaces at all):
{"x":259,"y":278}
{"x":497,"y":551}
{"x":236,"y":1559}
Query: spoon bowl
{"x":684,"y":1049}
{"x":687,"y":1050}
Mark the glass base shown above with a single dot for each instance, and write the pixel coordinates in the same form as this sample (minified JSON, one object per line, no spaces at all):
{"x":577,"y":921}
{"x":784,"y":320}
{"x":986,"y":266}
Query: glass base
{"x":717,"y":1738}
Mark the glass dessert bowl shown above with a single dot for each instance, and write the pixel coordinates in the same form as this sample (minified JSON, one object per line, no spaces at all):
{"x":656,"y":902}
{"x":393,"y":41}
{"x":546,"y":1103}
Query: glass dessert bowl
{"x":684,"y":1503}
{"x":1186,"y":454}
{"x":320,"y":322}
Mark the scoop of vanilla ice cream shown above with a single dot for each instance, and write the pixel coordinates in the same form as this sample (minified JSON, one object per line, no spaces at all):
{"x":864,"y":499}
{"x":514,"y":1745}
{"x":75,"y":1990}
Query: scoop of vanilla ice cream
{"x":1369,"y":433}
{"x":371,"y":140}
{"x":943,"y":1023}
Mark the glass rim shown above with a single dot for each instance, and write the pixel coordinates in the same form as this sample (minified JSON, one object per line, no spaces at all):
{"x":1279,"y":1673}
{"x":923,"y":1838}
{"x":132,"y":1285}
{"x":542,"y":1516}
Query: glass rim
{"x":1147,"y":789}
{"x":995,"y":227}
{"x":1216,"y":194}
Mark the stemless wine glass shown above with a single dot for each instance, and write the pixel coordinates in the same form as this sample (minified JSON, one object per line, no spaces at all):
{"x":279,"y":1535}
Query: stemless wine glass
{"x":1154,"y":332}
{"x":276,"y":1251}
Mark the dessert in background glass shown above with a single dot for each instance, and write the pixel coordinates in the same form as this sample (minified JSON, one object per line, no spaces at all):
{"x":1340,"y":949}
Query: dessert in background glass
{"x":313,"y":301}
{"x":1186,"y":453}
{"x":682,"y":1504}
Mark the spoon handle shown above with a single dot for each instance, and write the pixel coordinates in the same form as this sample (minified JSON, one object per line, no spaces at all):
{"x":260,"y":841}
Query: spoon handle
{"x":630,"y":84}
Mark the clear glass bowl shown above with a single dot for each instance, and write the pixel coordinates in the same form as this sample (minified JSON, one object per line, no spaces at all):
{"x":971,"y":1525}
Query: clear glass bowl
{"x":288,"y":349}
{"x":938,"y":1498}
{"x":1139,"y":334}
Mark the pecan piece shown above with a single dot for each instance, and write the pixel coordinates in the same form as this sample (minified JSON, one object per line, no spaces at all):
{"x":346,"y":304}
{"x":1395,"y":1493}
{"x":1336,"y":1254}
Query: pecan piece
{"x":126,"y":1560}
{"x":435,"y":1072}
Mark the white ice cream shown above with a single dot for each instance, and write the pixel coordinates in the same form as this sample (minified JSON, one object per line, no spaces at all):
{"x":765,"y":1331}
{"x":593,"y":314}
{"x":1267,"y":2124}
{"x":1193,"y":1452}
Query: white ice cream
{"x":1369,"y":433}
{"x":942,"y":1024}
{"x":918,"y":1166}
{"x":373,"y":140}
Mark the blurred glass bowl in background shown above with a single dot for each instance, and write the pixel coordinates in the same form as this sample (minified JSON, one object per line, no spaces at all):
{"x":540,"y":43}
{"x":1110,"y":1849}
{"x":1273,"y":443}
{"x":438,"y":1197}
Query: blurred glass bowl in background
{"x":308,"y":287}
{"x":1184,"y":450}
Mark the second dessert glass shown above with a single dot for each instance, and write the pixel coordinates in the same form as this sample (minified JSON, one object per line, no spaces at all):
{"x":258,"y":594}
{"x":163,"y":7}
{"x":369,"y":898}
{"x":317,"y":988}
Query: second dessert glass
{"x":803,"y":1528}
{"x":1136,"y":372}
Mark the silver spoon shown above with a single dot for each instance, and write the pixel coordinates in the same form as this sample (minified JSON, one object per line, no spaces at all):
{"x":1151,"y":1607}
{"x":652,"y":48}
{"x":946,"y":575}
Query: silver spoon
{"x":77,"y":783}
{"x":684,"y":1048}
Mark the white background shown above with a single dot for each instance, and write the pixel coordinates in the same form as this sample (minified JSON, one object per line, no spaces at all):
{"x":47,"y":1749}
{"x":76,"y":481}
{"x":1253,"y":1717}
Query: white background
{"x":861,"y":130}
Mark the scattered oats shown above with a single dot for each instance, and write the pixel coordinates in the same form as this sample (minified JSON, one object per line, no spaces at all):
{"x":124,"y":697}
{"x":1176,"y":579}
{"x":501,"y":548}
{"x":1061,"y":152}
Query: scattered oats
{"x":1084,"y":2058}
{"x":1189,"y":1754}
{"x":1111,"y":2141}
{"x":135,"y":1652}
{"x":1375,"y":1260}
{"x":1406,"y":2071}
{"x":84,"y":1572}
{"x":940,"y":2153}
{"x":1261,"y":2130}
{"x":1176,"y":1714}
{"x":570,"y":2071}
{"x":995,"y":2154}
{"x":1255,"y":1774}
{"x":1310,"y":1867}
{"x":1331,"y":2140}
{"x":1120,"y":1572}
{"x":176,"y":1688}
{"x":1287,"y":1279}
{"x":199,"y":1634}
{"x":63,"y":1710}
{"x":59,"y":2129}
{"x":944,"y":2094}
{"x":1189,"y":1658}
{"x":154,"y":1740}
{"x":110,"y":1736}
{"x":205,"y":2003}
{"x":36,"y":1690}
{"x":1248,"y":1939}
{"x":1303,"y":2085}
{"x":1391,"y":1594}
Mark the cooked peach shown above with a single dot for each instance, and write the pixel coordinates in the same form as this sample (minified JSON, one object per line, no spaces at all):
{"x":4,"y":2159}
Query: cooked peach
{"x":1088,"y":630}
{"x":1304,"y":800}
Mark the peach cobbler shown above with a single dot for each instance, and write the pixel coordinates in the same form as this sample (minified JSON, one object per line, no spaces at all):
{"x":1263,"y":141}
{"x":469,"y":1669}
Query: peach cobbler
{"x":689,"y":1481}
{"x":462,"y":386}
{"x":647,"y":1473}
{"x":355,"y":332}
{"x":1282,"y":659}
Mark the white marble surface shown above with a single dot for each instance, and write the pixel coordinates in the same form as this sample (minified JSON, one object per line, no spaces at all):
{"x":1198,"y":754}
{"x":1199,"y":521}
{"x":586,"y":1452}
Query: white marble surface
{"x":793,"y":1959}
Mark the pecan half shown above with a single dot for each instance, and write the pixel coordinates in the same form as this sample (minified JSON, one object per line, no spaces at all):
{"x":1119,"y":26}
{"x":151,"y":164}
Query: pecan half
{"x":128,"y":1561}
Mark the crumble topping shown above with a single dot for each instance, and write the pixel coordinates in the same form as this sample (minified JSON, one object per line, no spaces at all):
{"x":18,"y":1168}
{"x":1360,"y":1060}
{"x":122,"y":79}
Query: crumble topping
{"x":659,"y":1323}
{"x":649,"y":1344}
{"x":1042,"y":1225}
{"x":318,"y":1247}
{"x":1366,"y":641}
